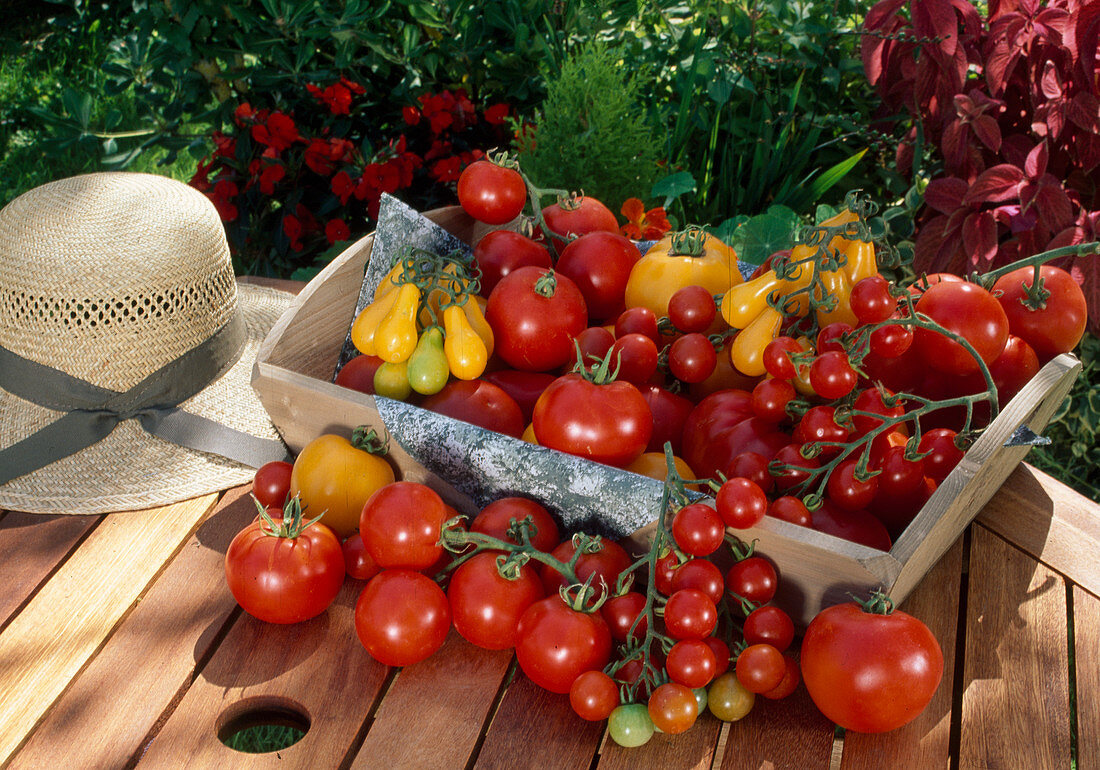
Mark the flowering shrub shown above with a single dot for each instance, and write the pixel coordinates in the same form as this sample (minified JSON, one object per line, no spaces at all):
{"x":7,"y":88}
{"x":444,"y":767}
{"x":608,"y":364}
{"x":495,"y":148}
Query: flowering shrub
{"x":291,"y":180}
{"x":1010,"y":101}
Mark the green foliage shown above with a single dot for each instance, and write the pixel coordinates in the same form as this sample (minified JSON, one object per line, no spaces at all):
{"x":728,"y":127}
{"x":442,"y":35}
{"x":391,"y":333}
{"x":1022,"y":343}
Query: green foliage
{"x":591,"y":133}
{"x":1073,"y":456}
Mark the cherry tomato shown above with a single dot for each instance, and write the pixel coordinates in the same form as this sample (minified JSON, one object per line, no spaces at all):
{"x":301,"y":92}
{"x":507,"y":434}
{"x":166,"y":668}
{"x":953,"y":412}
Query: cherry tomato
{"x":969,"y":311}
{"x":486,"y":606}
{"x":1012,"y":369}
{"x":335,"y":477}
{"x":621,"y":612}
{"x":593,"y":696}
{"x":665,"y":570}
{"x":819,"y":425}
{"x":271,"y":484}
{"x":829,"y":337}
{"x":496,"y":518}
{"x":846,"y":490}
{"x":358,"y":373}
{"x":491,"y":193}
{"x":287,"y":574}
{"x":692,"y":358}
{"x":698,"y":529}
{"x":728,"y":699}
{"x":871,"y":300}
{"x":794,"y":471}
{"x":673,"y":708}
{"x":401,"y":524}
{"x":670,"y":411}
{"x":752,"y":579}
{"x":690,"y":614}
{"x":499,"y":252}
{"x":599,"y":263}
{"x":691,"y":663}
{"x":870,"y":672}
{"x":593,"y":342}
{"x":789,"y":683}
{"x":721,"y":655}
{"x":760,"y":667}
{"x":769,"y":624}
{"x":777,"y":357}
{"x":636,"y":357}
{"x":752,"y":466}
{"x":741,"y":503}
{"x":692,"y":309}
{"x":891,"y":341}
{"x":832,"y":376}
{"x":480,"y":403}
{"x":357,"y":562}
{"x":1055,"y":328}
{"x":556,"y":644}
{"x":630,"y":726}
{"x":790,"y":509}
{"x":608,"y":423}
{"x":402,"y":617}
{"x":943,"y":455}
{"x":898,"y":477}
{"x":702,"y":575}
{"x":535,"y":314}
{"x":749,"y":435}
{"x":770,"y":398}
{"x":640,"y":320}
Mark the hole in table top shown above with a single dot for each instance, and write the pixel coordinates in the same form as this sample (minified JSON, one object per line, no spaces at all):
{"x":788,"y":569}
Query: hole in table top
{"x":262,"y":725}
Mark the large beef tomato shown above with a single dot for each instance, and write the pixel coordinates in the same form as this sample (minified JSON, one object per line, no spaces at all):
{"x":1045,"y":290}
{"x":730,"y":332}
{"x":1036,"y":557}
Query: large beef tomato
{"x":535,"y":314}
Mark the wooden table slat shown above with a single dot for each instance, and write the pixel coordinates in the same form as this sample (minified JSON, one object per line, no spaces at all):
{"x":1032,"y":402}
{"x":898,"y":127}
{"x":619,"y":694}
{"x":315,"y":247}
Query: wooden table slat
{"x":181,"y":617}
{"x":788,"y":733}
{"x":1016,"y":674}
{"x":1086,"y":646}
{"x":69,"y":618}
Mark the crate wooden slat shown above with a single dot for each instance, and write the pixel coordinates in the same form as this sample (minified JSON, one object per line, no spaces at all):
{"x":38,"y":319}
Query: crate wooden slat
{"x":1017,"y":666}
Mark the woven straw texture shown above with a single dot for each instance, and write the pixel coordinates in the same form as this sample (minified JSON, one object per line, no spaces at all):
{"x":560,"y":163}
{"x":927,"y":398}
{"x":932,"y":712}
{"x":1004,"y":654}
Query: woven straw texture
{"x":109,"y":277}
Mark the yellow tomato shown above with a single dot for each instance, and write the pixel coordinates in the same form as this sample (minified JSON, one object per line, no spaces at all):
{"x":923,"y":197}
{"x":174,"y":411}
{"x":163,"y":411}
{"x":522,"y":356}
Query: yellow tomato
{"x":396,"y":336}
{"x":747,"y":349}
{"x":664,"y":269}
{"x":835,"y":283}
{"x":653,"y":464}
{"x":334,"y":477}
{"x":366,"y":323}
{"x":465,"y":351}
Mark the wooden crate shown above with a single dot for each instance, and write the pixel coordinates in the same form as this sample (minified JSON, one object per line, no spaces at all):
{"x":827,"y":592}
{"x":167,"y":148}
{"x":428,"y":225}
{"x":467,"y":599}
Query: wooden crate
{"x":293,"y":374}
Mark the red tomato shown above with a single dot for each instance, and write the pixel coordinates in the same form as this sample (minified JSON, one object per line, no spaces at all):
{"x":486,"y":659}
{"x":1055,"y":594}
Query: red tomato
{"x":969,"y":311}
{"x":870,"y":672}
{"x":401,"y":524}
{"x":535,"y":315}
{"x":750,"y":435}
{"x":771,"y":625}
{"x":846,"y":490}
{"x":271,"y":484}
{"x":491,"y":193}
{"x":698,"y":529}
{"x":741,"y":503}
{"x":943,"y":455}
{"x":720,"y":410}
{"x":752,"y":579}
{"x":795,"y":471}
{"x":832,"y":375}
{"x":871,"y":300}
{"x":608,"y":423}
{"x":357,"y":562}
{"x":1050,"y":330}
{"x":479,"y":402}
{"x":600,"y":263}
{"x":673,"y":708}
{"x":556,"y":644}
{"x":692,"y":309}
{"x":578,"y":216}
{"x":692,"y":358}
{"x":524,"y":387}
{"x":636,"y":356}
{"x":402,"y":617}
{"x":285,"y":577}
{"x":593,"y":696}
{"x":622,"y":612}
{"x":760,"y":667}
{"x":594,"y":342}
{"x":485,"y":606}
{"x":639,"y":320}
{"x":858,"y":526}
{"x":606,"y":563}
{"x":499,"y":252}
{"x":702,"y":575}
{"x":670,"y":411}
{"x":358,"y":373}
{"x":1013,"y":369}
{"x":692,"y":663}
{"x":770,"y":398}
{"x":791,"y":509}
{"x":496,"y":517}
{"x":690,"y":614}
{"x":752,"y":466}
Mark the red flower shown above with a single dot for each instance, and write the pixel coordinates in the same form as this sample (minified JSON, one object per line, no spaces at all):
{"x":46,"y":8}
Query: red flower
{"x":271,"y":174}
{"x":496,"y":114}
{"x":244,"y":114}
{"x":411,"y":115}
{"x":278,"y":132}
{"x":226,"y":145}
{"x":309,"y":223}
{"x":200,"y":180}
{"x":293,"y":229}
{"x":337,"y":97}
{"x":342,"y":186}
{"x":438,"y":149}
{"x":644,"y":225}
{"x":447,"y":170}
{"x":352,"y":86}
{"x":336,"y":230}
{"x":222,"y":194}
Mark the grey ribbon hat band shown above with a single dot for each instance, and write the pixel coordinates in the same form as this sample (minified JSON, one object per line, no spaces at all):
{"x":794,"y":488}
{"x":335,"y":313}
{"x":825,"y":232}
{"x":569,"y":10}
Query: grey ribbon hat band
{"x":92,"y":412}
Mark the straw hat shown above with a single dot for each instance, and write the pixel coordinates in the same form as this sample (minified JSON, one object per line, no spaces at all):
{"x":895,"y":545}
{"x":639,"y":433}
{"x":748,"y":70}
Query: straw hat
{"x":126,"y":348}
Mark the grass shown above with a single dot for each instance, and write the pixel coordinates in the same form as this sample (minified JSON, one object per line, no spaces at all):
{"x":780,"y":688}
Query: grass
{"x":263,"y":739}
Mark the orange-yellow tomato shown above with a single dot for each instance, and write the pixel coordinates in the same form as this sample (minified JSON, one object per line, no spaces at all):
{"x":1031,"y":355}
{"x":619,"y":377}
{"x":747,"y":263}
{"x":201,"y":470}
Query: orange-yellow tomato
{"x":653,"y":464}
{"x":661,"y":272}
{"x":333,"y":477}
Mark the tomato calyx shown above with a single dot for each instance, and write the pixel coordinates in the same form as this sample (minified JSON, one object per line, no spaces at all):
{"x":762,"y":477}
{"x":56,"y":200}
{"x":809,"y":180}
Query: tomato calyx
{"x":585,"y":597}
{"x":600,"y":372}
{"x":689,"y":242}
{"x":367,"y":439}
{"x":878,"y":603}
{"x":547,"y":284}
{"x":291,"y":525}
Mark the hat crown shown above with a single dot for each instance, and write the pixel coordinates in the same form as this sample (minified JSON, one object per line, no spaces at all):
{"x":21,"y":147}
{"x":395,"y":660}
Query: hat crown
{"x":110,"y":276}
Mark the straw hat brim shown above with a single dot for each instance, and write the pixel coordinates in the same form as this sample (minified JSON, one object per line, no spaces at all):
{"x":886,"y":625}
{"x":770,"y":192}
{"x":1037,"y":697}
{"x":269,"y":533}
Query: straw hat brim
{"x":131,"y":469}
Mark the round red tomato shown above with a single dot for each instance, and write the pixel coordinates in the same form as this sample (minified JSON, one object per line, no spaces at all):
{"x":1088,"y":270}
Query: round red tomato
{"x":535,"y":315}
{"x":606,"y":564}
{"x":486,"y":606}
{"x":593,"y":696}
{"x":556,"y":644}
{"x":499,"y":252}
{"x":670,"y":411}
{"x":401,"y":523}
{"x":285,"y":577}
{"x":358,"y":373}
{"x":752,"y":579}
{"x":524,"y":387}
{"x":479,"y":402}
{"x":402,"y":617}
{"x":357,"y":562}
{"x":491,"y":193}
{"x":496,"y":518}
{"x":969,"y":311}
{"x":608,"y":423}
{"x":1056,"y":327}
{"x":578,"y":216}
{"x":599,"y":263}
{"x":271,"y":484}
{"x":870,"y":672}
{"x":858,"y":526}
{"x":622,"y":612}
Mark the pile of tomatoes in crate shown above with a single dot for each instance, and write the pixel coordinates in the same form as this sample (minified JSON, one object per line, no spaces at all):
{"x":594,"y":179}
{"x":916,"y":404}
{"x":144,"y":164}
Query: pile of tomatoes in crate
{"x":814,"y":390}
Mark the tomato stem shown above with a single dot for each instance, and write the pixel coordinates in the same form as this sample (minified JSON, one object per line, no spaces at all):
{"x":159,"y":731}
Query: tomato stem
{"x":1079,"y":250}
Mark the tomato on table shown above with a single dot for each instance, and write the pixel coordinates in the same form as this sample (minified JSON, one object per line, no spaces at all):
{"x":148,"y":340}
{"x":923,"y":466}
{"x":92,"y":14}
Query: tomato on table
{"x":486,"y":605}
{"x":557,"y":643}
{"x":401,"y":524}
{"x":496,"y":518}
{"x":402,"y":617}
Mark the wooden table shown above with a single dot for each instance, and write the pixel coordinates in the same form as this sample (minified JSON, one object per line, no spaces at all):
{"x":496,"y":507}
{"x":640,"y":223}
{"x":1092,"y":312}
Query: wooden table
{"x":120,"y":645}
